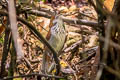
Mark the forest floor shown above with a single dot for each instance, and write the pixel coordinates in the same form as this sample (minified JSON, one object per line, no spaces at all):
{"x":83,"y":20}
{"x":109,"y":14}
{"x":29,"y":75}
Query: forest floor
{"x":80,"y":56}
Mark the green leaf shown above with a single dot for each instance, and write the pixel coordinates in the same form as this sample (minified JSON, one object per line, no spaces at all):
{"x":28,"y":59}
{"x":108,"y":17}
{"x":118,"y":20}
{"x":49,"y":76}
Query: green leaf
{"x":44,"y":0}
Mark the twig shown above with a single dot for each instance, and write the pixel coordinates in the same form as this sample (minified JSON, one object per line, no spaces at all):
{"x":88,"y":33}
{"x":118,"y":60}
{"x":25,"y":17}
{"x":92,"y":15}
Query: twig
{"x":80,"y":21}
{"x":76,"y":78}
{"x":5,"y":51}
{"x":28,"y":64}
{"x":73,"y":46}
{"x":87,"y":58}
{"x":39,"y":13}
{"x":33,"y":74}
{"x":68,"y":20}
{"x":94,"y":69}
{"x":112,"y":71}
{"x":99,"y":73}
{"x":109,"y":69}
{"x":87,"y":15}
{"x":110,"y":42}
{"x":34,"y":61}
{"x":13,"y":60}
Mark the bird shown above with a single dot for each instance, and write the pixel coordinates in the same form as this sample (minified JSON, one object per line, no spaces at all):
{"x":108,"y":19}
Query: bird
{"x":56,"y":37}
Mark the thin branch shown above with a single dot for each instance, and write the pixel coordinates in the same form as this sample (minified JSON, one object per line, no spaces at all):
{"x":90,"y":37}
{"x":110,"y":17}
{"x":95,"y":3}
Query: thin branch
{"x":13,"y":60}
{"x":39,"y":13}
{"x":81,"y":13}
{"x":92,"y":51}
{"x":28,"y":64}
{"x":115,"y":45}
{"x":80,"y":21}
{"x":73,"y":46}
{"x":5,"y":51}
{"x":33,"y":74}
{"x":67,"y":20}
{"x":112,"y":71}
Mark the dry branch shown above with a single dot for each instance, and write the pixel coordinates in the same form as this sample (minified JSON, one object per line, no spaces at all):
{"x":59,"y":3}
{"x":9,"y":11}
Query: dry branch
{"x":73,"y":46}
{"x":112,"y":43}
{"x":92,"y":51}
{"x":65,"y":19}
{"x":13,"y":26}
{"x":33,"y":74}
{"x":7,"y":41}
{"x":111,"y":70}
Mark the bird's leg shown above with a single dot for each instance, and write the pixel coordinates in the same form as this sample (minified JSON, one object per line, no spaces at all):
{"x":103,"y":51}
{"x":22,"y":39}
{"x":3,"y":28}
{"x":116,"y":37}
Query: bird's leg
{"x":44,"y":63}
{"x":52,"y":66}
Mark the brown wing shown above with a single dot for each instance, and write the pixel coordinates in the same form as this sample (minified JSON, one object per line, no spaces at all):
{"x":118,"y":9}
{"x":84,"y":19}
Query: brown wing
{"x":50,"y":25}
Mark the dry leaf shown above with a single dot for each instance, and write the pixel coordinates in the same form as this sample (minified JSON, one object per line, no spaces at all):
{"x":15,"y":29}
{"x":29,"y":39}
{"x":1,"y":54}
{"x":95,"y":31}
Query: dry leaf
{"x":109,"y":4}
{"x":93,"y":41}
{"x":63,"y":9}
{"x":73,"y":8}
